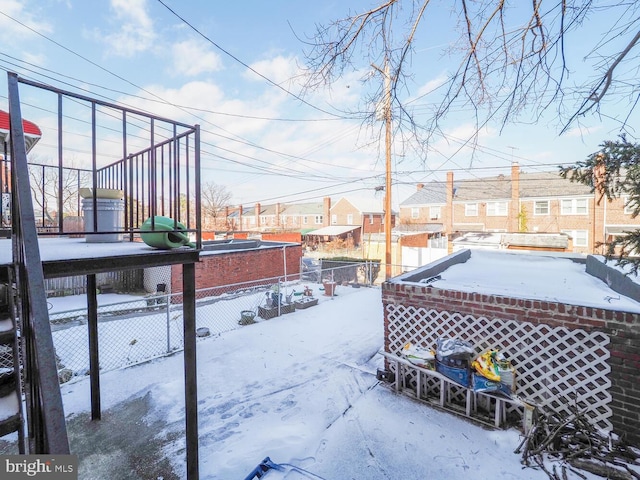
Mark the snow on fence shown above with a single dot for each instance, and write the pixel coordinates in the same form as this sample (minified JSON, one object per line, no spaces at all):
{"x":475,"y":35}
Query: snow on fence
{"x":136,"y":331}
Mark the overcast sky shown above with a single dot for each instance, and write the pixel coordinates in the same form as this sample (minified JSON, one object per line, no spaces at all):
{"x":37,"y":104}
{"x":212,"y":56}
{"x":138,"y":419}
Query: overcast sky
{"x":242,"y":85}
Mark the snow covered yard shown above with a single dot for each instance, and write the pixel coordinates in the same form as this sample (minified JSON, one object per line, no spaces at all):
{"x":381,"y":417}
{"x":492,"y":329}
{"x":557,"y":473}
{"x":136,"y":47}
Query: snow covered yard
{"x":301,"y":389}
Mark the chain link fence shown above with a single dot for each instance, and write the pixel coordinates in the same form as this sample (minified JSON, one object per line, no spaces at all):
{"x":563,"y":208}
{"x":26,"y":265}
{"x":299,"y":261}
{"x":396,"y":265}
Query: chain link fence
{"x":139,"y":330}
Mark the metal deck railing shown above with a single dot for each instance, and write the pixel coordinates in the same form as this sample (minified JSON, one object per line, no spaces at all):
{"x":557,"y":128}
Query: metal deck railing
{"x":153,"y":162}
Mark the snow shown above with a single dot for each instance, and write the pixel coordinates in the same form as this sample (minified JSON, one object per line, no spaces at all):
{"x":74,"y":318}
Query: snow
{"x":541,"y":277}
{"x":301,"y":389}
{"x":79,"y":302}
{"x":63,"y":248}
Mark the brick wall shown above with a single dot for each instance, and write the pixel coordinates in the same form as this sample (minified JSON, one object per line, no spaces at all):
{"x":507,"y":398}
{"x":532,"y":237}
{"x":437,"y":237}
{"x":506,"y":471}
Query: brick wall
{"x":622,"y":327}
{"x":231,"y":267}
{"x":295,"y":237}
{"x":377,"y":226}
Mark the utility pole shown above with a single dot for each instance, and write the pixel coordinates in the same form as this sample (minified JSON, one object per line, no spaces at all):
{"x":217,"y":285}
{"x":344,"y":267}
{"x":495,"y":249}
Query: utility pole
{"x":387,"y":196}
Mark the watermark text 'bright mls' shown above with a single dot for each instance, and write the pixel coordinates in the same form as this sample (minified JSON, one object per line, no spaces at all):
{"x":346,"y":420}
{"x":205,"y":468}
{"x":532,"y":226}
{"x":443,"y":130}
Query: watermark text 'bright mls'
{"x":50,"y":467}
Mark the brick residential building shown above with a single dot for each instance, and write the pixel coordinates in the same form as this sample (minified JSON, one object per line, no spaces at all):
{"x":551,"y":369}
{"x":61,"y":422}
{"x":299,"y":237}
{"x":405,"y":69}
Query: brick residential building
{"x":521,"y":202}
{"x":278,"y":216}
{"x":365,"y":213}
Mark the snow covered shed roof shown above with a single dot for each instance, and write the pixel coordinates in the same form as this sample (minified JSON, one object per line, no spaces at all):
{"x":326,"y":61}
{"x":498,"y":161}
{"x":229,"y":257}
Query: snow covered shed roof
{"x":561,"y":278}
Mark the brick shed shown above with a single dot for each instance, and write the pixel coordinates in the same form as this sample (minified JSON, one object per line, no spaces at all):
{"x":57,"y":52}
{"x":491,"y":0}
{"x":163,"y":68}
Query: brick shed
{"x":570,"y":325}
{"x":229,"y":262}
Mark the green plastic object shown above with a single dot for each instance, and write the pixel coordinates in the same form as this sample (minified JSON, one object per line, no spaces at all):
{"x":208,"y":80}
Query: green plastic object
{"x":164,"y":233}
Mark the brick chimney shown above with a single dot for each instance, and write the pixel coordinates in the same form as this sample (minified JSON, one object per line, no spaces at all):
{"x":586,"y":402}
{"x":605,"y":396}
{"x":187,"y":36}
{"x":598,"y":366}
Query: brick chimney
{"x":326,"y":211}
{"x":257,"y":213}
{"x":514,"y":211}
{"x":278,"y":208}
{"x":240,"y":211}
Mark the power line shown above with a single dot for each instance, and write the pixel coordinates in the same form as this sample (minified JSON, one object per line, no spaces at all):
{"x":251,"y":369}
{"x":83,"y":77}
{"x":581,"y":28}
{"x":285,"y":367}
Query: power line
{"x":163,"y":101}
{"x":248,"y":67}
{"x":157,"y":100}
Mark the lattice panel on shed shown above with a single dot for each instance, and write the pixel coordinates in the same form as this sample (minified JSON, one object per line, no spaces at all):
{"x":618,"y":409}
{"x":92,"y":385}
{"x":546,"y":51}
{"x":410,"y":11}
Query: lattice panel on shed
{"x":556,"y":367}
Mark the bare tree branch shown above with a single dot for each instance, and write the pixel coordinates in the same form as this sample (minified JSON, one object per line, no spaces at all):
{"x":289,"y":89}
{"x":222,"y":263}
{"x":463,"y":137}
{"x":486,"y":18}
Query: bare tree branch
{"x":512,"y":55}
{"x":214,"y":198}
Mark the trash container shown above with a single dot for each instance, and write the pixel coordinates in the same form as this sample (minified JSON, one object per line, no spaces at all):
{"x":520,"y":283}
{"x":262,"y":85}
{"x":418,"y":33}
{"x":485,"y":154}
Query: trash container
{"x":110,"y":213}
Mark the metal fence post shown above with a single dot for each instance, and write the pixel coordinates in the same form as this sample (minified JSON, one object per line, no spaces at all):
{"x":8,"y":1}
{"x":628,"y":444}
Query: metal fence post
{"x":168,"y":323}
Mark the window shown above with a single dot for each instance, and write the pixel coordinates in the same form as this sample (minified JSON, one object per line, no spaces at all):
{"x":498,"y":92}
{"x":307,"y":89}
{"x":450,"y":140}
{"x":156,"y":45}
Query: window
{"x":415,"y":212}
{"x":319,"y":219}
{"x":435,"y":213}
{"x":350,"y":219}
{"x":305,"y":220}
{"x":470,"y":209}
{"x":496,"y":209}
{"x":541,"y":207}
{"x":580,"y":237}
{"x":263,"y":219}
{"x":573,"y":206}
{"x":628,"y":205}
{"x":371,"y":219}
{"x":334,"y":219}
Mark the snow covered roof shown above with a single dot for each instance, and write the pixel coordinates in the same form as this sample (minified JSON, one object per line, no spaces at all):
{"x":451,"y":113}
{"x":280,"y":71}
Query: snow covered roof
{"x":551,"y":277}
{"x":531,"y":185}
{"x":332,"y":230}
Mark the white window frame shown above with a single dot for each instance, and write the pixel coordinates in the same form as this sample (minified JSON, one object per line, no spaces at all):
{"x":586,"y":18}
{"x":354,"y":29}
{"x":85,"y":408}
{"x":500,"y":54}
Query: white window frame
{"x":580,"y":237}
{"x":435,"y":212}
{"x":627,"y":210}
{"x":571,"y":206}
{"x":349,"y":218}
{"x":470,"y":209}
{"x":497,"y":209}
{"x":319,"y":219}
{"x":415,"y":213}
{"x":305,"y":220}
{"x":371,"y":219}
{"x":540,"y":203}
{"x":334,"y":219}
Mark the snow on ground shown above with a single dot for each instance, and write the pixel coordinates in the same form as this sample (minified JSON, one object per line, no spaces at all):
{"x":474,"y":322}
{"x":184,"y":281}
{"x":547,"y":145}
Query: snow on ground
{"x":301,"y":389}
